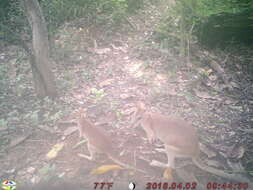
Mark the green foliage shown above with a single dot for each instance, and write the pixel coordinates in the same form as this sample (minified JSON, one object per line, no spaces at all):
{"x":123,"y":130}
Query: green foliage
{"x":3,"y":123}
{"x":206,"y":8}
{"x":32,"y":117}
{"x":176,"y":26}
{"x":134,"y":5}
{"x":219,"y":23}
{"x":226,"y":21}
{"x":168,"y":31}
{"x":227,"y":28}
{"x":58,"y":11}
{"x":13,"y":21}
{"x":4,"y":6}
{"x":98,"y":11}
{"x":98,"y":94}
{"x":3,"y":76}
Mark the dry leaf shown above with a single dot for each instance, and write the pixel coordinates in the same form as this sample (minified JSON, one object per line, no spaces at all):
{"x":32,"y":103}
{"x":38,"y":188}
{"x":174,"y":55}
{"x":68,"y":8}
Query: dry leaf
{"x":46,"y":128}
{"x":69,"y":131}
{"x":234,"y":84}
{"x":138,"y":74}
{"x":123,"y":49}
{"x":18,"y":140}
{"x":3,"y":128}
{"x":162,"y":150}
{"x":124,"y":96}
{"x":189,"y":176}
{"x":209,"y":71}
{"x":237,"y":153}
{"x":80,"y":143}
{"x":212,"y":127}
{"x":204,"y":95}
{"x":106,"y":83}
{"x":248,"y":130}
{"x":54,"y":151}
{"x":172,"y":91}
{"x":69,"y":123}
{"x":129,"y":111}
{"x":214,"y":163}
{"x":236,"y":167}
{"x":105,"y":168}
{"x":212,"y":77}
{"x":31,"y":170}
{"x":201,"y":70}
{"x":101,"y":51}
{"x":187,"y":110}
{"x":167,"y":174}
{"x":207,"y":151}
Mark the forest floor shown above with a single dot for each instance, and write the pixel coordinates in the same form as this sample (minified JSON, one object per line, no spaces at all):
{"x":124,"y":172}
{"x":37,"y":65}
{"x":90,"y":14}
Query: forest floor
{"x":104,"y":71}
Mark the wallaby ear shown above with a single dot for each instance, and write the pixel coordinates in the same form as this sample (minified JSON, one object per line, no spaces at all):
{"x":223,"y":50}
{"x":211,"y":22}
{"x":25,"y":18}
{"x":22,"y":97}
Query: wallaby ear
{"x":140,"y":106}
{"x":133,"y":111}
{"x":82,"y":113}
{"x":137,"y":114}
{"x":81,"y":121}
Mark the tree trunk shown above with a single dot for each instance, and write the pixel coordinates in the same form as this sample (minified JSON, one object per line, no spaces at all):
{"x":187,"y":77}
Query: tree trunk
{"x":182,"y":30}
{"x":44,"y":81}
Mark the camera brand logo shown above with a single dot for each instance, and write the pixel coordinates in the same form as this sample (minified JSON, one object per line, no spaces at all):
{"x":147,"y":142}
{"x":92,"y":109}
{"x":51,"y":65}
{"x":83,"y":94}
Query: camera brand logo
{"x":8,"y":185}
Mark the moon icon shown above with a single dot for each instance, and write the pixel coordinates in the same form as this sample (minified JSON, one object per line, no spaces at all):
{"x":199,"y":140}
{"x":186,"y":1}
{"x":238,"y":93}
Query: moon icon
{"x":131,"y":186}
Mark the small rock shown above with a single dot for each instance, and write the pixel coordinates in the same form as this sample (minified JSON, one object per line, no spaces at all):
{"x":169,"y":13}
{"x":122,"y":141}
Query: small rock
{"x":31,"y":170}
{"x":106,"y":83}
{"x":35,"y":179}
{"x":124,"y":96}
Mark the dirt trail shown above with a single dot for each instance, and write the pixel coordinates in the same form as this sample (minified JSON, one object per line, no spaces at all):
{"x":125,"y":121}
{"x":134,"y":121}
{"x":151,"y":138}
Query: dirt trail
{"x":129,"y":69}
{"x":106,"y":74}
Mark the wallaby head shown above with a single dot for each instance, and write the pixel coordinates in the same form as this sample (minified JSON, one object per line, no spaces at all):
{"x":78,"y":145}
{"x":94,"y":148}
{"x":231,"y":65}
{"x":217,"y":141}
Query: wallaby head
{"x":139,"y":114}
{"x":83,"y":123}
